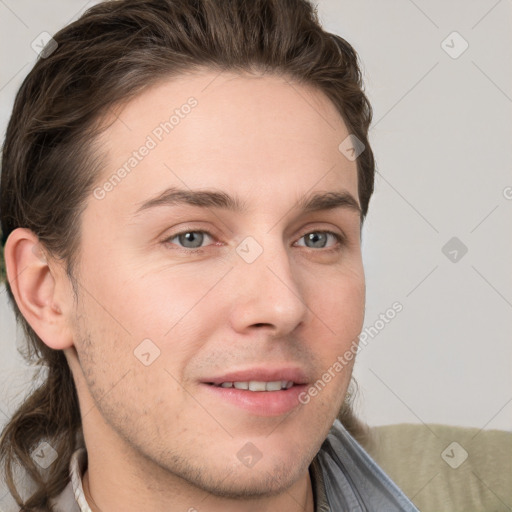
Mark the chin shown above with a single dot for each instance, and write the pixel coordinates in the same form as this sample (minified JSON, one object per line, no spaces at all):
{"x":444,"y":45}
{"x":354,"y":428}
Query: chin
{"x":256,"y":482}
{"x":230,"y":478}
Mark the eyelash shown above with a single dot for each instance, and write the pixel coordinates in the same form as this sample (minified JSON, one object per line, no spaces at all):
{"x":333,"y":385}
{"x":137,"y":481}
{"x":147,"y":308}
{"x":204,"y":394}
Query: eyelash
{"x":339,"y":238}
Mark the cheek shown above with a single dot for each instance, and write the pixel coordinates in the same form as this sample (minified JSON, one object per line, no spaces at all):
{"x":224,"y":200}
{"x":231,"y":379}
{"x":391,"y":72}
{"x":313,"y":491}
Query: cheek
{"x":159,"y":318}
{"x":339,"y":304}
{"x":127,"y":378}
{"x":176,"y":312}
{"x":145,"y":304}
{"x":339,"y":312}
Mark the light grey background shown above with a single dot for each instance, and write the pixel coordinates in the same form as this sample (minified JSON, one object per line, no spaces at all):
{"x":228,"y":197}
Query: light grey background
{"x":442,"y":140}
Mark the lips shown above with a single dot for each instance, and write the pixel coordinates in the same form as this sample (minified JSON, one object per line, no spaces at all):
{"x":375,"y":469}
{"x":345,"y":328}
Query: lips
{"x":258,"y":391}
{"x":260,"y":375}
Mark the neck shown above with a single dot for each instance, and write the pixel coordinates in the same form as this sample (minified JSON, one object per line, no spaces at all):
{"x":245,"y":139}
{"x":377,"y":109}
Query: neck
{"x":300,"y":499}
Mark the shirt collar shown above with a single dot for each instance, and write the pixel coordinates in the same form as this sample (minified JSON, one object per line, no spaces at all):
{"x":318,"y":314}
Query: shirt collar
{"x":77,"y":468}
{"x":318,"y":485}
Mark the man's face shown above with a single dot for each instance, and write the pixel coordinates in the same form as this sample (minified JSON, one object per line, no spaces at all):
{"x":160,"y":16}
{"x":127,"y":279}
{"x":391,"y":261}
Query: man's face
{"x":265,"y":293}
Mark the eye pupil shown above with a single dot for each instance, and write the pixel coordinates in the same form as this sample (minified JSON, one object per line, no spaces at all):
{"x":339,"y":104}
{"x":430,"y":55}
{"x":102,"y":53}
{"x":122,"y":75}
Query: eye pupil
{"x":315,"y":238}
{"x":192,"y":239}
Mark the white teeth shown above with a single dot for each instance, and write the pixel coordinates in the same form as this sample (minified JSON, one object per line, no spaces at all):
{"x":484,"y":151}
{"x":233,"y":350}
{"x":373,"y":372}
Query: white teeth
{"x":274,"y":386}
{"x":256,"y":385}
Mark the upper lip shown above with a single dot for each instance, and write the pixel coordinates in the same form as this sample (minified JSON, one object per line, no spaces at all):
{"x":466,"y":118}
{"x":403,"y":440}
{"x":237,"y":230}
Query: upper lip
{"x":288,"y":373}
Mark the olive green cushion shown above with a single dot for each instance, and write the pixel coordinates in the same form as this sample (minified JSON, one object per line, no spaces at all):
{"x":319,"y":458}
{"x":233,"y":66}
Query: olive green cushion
{"x":447,"y":468}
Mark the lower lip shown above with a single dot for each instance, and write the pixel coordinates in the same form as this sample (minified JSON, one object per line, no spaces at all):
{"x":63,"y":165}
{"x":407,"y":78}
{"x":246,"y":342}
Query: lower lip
{"x":261,"y":403}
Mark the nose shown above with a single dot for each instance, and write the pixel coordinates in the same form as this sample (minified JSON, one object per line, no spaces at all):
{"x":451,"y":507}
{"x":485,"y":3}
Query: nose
{"x":268,"y":294}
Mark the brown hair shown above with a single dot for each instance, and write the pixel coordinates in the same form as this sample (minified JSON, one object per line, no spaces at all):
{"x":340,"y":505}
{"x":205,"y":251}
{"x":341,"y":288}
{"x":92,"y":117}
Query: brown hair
{"x":50,"y":163}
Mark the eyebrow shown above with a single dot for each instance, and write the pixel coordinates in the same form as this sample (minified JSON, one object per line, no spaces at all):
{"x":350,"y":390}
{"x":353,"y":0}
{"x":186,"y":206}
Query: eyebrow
{"x":202,"y":198}
{"x":318,"y":201}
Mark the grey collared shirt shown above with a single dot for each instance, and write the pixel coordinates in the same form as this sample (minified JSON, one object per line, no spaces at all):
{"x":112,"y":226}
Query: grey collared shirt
{"x":345,"y":478}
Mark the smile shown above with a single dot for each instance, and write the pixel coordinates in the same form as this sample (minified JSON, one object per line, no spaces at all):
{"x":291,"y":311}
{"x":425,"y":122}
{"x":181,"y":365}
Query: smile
{"x":256,"y":385}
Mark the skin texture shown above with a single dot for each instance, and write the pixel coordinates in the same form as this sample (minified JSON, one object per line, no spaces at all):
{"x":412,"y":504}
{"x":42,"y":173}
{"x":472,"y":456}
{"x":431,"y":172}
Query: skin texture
{"x":156,"y":437}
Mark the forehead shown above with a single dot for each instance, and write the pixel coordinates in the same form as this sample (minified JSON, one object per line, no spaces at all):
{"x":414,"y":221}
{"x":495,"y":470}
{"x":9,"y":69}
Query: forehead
{"x":226,"y":130}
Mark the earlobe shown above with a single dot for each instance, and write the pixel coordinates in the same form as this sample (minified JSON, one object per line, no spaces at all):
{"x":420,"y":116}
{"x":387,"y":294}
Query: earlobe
{"x":38,"y":288}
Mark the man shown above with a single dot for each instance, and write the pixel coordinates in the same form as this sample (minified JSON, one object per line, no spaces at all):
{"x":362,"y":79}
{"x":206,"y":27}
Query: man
{"x":183,"y":187}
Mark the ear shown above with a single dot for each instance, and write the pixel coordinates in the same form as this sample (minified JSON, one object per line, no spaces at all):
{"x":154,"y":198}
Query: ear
{"x":40,"y":287}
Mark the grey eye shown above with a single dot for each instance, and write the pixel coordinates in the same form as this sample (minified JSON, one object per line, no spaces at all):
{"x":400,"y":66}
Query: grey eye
{"x":320,"y":239}
{"x":316,"y":240}
{"x":191,"y":239}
